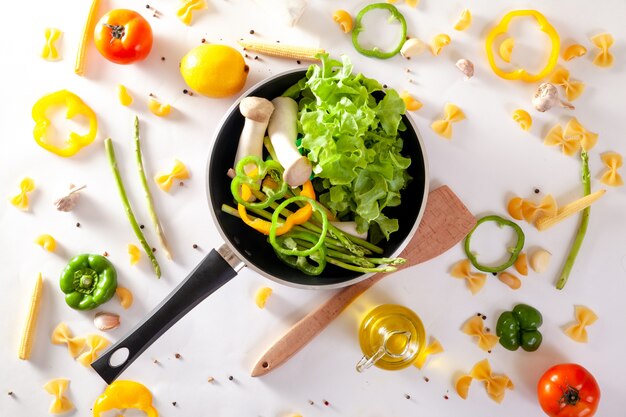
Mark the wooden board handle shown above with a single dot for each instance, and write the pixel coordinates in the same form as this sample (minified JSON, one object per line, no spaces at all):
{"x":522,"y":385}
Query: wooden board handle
{"x":445,"y":222}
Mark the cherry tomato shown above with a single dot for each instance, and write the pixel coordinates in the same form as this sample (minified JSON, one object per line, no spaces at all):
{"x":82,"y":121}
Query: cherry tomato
{"x":568,"y":390}
{"x":123,"y":36}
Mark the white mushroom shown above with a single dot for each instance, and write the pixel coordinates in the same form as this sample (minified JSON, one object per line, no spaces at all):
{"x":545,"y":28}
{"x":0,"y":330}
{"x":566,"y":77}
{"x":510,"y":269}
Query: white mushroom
{"x":547,"y":96}
{"x":257,"y":112}
{"x":283,"y":133}
{"x":349,"y":228}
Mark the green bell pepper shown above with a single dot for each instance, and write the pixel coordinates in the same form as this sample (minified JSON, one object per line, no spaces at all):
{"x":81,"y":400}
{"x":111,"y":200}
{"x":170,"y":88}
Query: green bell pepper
{"x":88,"y":281}
{"x":376,"y":52}
{"x":253,"y":180}
{"x":518,"y":328}
{"x":519,"y":245}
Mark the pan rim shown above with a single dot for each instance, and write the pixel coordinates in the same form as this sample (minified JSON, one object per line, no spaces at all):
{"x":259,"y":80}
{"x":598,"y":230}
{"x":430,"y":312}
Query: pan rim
{"x":228,"y":242}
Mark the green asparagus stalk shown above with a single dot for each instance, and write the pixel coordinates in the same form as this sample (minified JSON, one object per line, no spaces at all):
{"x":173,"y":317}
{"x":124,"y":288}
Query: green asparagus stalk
{"x":144,"y":182}
{"x":108,"y":144}
{"x":582,"y":228}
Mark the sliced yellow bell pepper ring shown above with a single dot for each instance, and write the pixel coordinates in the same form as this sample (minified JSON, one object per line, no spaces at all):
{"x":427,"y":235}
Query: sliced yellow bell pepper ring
{"x":302,"y":215}
{"x":75,"y":106}
{"x":520,"y":73}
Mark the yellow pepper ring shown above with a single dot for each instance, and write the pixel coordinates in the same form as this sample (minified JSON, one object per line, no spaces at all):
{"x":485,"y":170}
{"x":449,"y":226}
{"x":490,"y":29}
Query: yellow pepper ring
{"x":75,"y":106}
{"x":520,"y":73}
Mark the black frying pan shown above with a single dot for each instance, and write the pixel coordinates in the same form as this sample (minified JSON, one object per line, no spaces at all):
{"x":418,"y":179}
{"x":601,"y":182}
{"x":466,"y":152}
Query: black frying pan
{"x":245,"y":247}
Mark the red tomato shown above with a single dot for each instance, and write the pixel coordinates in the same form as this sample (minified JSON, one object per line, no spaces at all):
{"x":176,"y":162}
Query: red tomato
{"x":568,"y":390}
{"x":123,"y":36}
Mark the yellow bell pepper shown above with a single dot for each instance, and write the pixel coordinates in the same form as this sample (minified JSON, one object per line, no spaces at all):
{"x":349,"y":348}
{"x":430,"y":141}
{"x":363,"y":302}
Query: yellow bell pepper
{"x":125,"y":394}
{"x":302,"y":215}
{"x":520,"y":73}
{"x":75,"y":106}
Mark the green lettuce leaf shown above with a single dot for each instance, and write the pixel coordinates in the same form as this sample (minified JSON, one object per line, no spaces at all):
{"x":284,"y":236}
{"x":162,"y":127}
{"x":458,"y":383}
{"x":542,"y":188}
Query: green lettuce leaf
{"x":352,"y":140}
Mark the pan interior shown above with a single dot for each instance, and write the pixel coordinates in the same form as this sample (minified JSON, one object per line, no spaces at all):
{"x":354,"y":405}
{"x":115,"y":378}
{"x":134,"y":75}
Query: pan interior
{"x":253,"y":246}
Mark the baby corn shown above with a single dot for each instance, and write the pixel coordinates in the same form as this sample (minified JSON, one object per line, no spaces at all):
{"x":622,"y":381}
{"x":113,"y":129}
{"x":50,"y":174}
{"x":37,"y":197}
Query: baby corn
{"x":282,"y":51}
{"x":570,"y":209}
{"x":28,"y":334}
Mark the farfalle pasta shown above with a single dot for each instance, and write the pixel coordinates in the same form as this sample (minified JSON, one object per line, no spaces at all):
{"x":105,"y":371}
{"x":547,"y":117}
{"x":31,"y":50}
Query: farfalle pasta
{"x":58,"y":387}
{"x":95,"y":344}
{"x":576,"y":131}
{"x":50,"y":51}
{"x":464,"y":21}
{"x":187,"y":8}
{"x":475,"y":280}
{"x":27,"y":185}
{"x":573,"y":88}
{"x":63,"y":335}
{"x":496,"y":385}
{"x":433,"y":348}
{"x":523,"y":209}
{"x":47,"y":242}
{"x":613,"y":162}
{"x":178,"y":172}
{"x":604,"y":58}
{"x":556,"y":137}
{"x":451,"y":114}
{"x":584,"y":317}
{"x":475,"y":328}
{"x":134,"y":254}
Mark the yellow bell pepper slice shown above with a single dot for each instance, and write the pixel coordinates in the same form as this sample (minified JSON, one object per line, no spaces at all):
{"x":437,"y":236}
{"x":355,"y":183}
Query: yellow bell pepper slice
{"x":125,"y":395}
{"x":520,"y":73}
{"x":75,"y":106}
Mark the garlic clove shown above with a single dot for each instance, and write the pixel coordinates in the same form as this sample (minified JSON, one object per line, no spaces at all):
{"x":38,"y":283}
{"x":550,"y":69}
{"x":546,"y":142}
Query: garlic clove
{"x":106,"y":321}
{"x":539,"y":260}
{"x":412,"y":47}
{"x":547,"y":96}
{"x":69,"y":201}
{"x":467,"y":67}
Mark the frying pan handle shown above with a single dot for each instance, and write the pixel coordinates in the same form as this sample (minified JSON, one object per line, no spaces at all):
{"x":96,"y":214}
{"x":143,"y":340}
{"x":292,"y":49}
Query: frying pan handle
{"x":215,"y":270}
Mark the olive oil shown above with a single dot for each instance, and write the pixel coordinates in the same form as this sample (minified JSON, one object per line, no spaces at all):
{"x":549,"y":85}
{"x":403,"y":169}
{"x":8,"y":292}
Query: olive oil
{"x":391,"y":336}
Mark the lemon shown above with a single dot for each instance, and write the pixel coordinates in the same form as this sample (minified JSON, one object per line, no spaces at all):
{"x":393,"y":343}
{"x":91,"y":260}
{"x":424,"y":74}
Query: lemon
{"x":214,"y":70}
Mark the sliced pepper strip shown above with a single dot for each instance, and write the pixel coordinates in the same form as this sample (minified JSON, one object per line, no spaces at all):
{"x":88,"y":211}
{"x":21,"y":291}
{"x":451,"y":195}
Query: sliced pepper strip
{"x":254,"y":177}
{"x":514,"y":252}
{"x":274,"y":227}
{"x":75,"y":106}
{"x":300,"y":262}
{"x":302,"y":215}
{"x":125,"y":395}
{"x":375,"y":52}
{"x":520,"y":73}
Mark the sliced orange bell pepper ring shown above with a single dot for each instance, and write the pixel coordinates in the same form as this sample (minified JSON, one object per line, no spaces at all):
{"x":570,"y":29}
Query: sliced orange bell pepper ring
{"x":520,"y":73}
{"x":302,"y":215}
{"x":75,"y":106}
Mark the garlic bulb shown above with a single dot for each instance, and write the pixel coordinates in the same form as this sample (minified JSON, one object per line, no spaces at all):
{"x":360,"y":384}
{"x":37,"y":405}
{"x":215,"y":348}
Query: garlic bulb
{"x":69,"y":201}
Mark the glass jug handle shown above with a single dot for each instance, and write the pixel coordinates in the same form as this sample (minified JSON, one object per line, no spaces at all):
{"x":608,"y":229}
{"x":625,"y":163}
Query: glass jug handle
{"x":366,"y":362}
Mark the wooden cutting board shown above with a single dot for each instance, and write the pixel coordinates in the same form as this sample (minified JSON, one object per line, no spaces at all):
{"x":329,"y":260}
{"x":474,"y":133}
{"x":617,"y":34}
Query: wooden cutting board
{"x":445,"y":222}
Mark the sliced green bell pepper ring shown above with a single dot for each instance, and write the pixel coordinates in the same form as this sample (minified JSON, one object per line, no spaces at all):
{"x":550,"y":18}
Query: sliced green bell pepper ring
{"x":275,"y":225}
{"x":514,"y":252}
{"x":375,"y":52}
{"x":300,"y":262}
{"x":519,"y":328}
{"x":253,"y":178}
{"x":75,"y":106}
{"x":88,"y":281}
{"x":520,"y":73}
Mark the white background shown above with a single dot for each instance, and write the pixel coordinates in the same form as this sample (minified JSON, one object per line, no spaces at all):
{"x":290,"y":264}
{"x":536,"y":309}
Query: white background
{"x":488,"y":160}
